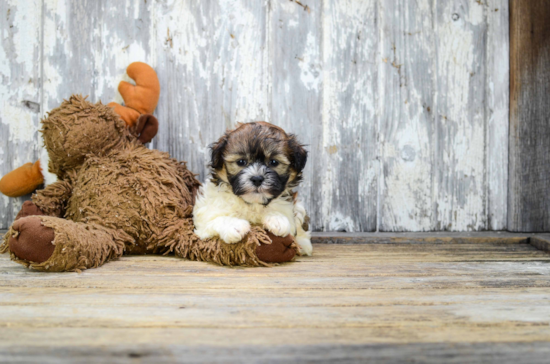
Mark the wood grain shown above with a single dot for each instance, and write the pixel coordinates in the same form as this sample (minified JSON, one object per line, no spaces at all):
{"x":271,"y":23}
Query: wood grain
{"x":541,"y":242}
{"x":87,"y":48}
{"x":366,"y":299}
{"x":20,"y":92}
{"x":403,"y":105}
{"x":460,"y":31}
{"x":420,"y":238}
{"x":497,"y":98}
{"x":349,"y":189}
{"x":435,"y":353}
{"x":296,"y":78}
{"x":529,"y":175}
{"x":407,"y":116}
{"x":212,"y":70}
{"x":444,"y":116}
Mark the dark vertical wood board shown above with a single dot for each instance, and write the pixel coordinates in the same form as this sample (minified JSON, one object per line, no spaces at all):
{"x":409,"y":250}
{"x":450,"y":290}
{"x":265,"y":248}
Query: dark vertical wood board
{"x":20,"y":92}
{"x":529,"y":168}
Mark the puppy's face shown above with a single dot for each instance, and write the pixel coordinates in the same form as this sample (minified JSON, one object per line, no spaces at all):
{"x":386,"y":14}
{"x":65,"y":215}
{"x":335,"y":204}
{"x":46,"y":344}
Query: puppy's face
{"x":259,"y":160}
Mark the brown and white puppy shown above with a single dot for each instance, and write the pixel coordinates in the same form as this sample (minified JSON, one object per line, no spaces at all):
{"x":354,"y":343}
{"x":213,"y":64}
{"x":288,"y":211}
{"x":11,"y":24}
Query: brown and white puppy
{"x":254,"y":169}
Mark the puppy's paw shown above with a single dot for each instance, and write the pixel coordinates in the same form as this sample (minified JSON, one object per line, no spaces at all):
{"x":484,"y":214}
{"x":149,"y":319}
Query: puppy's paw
{"x":277,"y":224}
{"x":233,"y":230}
{"x":305,"y":246}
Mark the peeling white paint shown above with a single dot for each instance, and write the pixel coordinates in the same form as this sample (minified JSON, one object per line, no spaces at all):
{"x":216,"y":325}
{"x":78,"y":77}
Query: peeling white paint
{"x":497,"y":112}
{"x":460,"y":203}
{"x":25,"y":49}
{"x":389,"y":99}
{"x":19,"y":121}
{"x":339,"y":222}
{"x":348,"y":115}
{"x":4,"y":64}
{"x":19,"y":91}
{"x":311,"y":70}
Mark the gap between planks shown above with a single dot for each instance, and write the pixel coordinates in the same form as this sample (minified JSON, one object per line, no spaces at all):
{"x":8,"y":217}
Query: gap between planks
{"x":539,"y":241}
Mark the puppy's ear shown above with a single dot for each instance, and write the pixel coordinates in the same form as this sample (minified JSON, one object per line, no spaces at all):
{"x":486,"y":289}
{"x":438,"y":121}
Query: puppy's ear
{"x":298,"y":153}
{"x":217,"y":149}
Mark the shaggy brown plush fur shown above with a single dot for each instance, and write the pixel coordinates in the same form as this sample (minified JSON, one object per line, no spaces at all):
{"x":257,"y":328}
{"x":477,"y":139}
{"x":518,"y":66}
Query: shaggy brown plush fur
{"x":116,"y":197}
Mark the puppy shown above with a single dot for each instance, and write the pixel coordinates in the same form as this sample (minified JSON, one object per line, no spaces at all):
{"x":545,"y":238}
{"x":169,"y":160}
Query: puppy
{"x":254,"y":169}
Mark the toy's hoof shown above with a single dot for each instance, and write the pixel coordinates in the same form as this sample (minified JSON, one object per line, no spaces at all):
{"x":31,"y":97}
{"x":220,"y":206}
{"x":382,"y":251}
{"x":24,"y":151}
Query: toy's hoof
{"x":32,"y":241}
{"x":28,"y":209}
{"x":279,"y":251}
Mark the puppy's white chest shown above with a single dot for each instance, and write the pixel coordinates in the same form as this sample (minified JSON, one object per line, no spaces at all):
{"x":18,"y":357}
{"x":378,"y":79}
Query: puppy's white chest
{"x":254,"y":213}
{"x":215,"y":201}
{"x":258,"y":213}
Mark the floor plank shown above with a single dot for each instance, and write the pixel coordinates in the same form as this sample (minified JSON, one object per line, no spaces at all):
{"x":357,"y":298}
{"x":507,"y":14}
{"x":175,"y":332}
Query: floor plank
{"x":349,"y":301}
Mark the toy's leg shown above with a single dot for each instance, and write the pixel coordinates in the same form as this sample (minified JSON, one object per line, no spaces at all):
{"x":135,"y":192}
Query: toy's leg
{"x":29,"y":209}
{"x":281,"y":249}
{"x":56,"y":245}
{"x":258,"y":248}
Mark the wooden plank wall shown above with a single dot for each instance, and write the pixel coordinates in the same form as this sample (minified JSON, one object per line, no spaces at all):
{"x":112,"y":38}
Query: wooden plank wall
{"x":20,"y":92}
{"x":403,"y":105}
{"x":529,"y":194}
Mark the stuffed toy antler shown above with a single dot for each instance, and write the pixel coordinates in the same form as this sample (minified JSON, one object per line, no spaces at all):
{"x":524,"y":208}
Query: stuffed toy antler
{"x":141,"y":98}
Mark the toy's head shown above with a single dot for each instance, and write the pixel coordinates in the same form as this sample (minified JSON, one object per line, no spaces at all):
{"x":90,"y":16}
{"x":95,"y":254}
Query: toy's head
{"x":78,"y":128}
{"x":140,"y":101}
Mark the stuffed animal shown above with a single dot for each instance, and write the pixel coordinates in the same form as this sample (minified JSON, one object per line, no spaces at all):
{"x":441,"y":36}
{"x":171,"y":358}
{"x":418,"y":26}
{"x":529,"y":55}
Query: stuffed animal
{"x":114,"y":196}
{"x":141,"y":98}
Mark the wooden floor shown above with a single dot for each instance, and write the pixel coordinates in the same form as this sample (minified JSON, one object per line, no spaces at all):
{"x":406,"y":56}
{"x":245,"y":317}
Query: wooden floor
{"x":424,"y":302}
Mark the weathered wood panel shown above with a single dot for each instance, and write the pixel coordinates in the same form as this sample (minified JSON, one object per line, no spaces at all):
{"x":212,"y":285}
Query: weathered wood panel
{"x":398,"y":296}
{"x":349,"y":165}
{"x":20,"y":91}
{"x":444,"y":115}
{"x":460,"y":31}
{"x":497,"y":114}
{"x":407,"y":116}
{"x":296,"y":76}
{"x":212,"y":69}
{"x":87,"y":47}
{"x":403,"y":105}
{"x":529,"y":170}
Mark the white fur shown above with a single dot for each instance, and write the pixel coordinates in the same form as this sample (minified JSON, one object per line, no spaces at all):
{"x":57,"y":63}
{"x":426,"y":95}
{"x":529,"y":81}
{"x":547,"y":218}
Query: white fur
{"x":261,"y":196}
{"x":44,"y":159}
{"x":220,"y":213}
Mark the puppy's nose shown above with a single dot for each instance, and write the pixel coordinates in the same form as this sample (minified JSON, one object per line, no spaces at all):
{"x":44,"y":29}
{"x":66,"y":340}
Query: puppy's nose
{"x":257,"y":180}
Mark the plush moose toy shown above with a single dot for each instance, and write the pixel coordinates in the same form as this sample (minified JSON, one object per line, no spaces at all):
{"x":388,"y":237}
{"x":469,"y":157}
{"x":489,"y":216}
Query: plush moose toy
{"x":141,"y":98}
{"x":114,"y":196}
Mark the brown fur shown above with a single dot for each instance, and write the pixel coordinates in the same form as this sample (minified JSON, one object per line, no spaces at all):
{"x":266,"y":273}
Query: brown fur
{"x":274,"y":142}
{"x":116,"y":196}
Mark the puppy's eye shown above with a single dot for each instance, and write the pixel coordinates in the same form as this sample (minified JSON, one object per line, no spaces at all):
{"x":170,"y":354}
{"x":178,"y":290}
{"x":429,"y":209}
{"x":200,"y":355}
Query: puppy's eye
{"x":273,"y":163}
{"x":241,"y":163}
